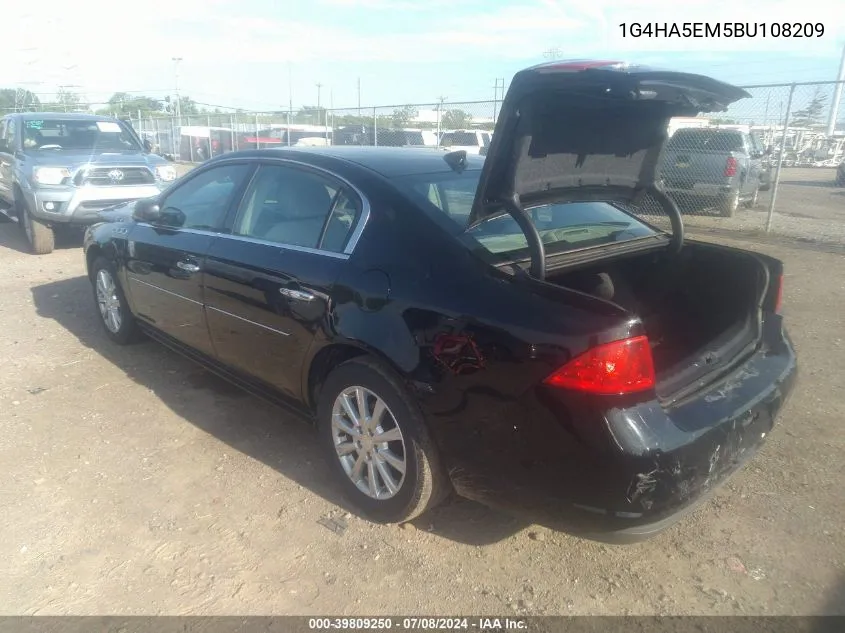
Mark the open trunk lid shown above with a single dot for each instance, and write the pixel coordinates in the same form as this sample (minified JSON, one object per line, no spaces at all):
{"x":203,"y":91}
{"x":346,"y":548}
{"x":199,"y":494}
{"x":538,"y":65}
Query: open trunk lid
{"x":588,"y":130}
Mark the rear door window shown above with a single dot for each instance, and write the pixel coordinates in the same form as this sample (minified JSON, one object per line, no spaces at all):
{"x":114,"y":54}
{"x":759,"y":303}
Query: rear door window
{"x":704,"y":140}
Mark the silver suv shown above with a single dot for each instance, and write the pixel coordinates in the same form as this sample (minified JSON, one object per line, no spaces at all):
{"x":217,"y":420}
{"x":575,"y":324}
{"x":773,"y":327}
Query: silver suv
{"x":61,"y":169}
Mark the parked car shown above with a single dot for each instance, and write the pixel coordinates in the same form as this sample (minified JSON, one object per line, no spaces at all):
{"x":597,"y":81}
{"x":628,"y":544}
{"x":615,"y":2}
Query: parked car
{"x":471,"y":141}
{"x":723,"y":167}
{"x":60,"y":169}
{"x":501,"y":326}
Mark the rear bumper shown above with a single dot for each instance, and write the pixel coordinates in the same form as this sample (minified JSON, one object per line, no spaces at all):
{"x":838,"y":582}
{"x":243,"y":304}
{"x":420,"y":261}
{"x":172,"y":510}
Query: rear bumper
{"x":704,"y":190}
{"x":81,"y":205}
{"x":623,"y":474}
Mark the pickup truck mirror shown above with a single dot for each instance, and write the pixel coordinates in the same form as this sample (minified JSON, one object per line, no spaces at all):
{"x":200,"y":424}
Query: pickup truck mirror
{"x":148,"y":145}
{"x":147,"y":210}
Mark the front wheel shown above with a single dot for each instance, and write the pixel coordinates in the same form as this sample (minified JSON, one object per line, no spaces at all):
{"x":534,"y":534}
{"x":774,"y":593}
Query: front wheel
{"x":115,"y":315}
{"x":41,"y":238}
{"x":377,"y":443}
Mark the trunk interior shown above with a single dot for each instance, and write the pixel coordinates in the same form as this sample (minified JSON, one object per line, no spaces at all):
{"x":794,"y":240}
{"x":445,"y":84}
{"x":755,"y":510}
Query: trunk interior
{"x":700,"y":307}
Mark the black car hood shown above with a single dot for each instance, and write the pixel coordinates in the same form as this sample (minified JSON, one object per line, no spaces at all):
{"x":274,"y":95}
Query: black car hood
{"x":118,"y":213}
{"x":587,"y":131}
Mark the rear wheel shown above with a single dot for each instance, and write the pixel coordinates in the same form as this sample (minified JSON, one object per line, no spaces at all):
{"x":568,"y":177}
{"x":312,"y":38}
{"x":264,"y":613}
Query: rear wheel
{"x":41,"y":238}
{"x":115,"y":315}
{"x":729,"y":205}
{"x":377,"y":443}
{"x":752,"y":201}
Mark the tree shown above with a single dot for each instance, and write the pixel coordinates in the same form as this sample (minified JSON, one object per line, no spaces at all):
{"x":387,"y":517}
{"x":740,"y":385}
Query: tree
{"x":813,"y":113}
{"x":124,"y":104}
{"x":403,"y":116}
{"x":314,"y":115}
{"x":17,"y":100}
{"x":456,"y":119}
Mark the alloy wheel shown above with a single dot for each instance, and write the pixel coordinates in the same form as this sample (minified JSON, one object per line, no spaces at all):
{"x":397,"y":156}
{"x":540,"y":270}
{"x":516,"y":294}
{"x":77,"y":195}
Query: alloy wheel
{"x":108,"y":301}
{"x":368,"y":442}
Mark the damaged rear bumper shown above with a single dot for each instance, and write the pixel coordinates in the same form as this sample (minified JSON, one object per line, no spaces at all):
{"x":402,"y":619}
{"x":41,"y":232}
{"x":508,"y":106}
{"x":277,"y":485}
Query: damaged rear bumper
{"x":628,"y":473}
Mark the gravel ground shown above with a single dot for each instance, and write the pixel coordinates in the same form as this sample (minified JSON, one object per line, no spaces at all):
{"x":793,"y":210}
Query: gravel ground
{"x":136,"y":483}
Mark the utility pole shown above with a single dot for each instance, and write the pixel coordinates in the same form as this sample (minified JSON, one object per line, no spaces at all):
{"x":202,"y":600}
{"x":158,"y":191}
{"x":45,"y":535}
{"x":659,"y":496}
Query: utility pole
{"x":496,"y":97}
{"x":319,"y":86}
{"x":176,"y":61}
{"x":359,"y":96}
{"x":439,"y":116}
{"x":837,"y":96}
{"x":290,"y":99}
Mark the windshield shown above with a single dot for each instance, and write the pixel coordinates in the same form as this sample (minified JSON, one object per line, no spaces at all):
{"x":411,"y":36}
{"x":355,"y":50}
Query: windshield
{"x":705,"y":140}
{"x":458,"y":139}
{"x":564,"y":226}
{"x":78,"y":135}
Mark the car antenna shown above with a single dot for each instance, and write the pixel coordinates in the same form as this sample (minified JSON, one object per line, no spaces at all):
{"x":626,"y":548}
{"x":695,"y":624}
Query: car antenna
{"x":457,"y":159}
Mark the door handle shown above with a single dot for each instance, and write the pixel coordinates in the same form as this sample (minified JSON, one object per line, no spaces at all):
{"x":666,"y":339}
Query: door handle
{"x":188,"y":267}
{"x":299,"y":295}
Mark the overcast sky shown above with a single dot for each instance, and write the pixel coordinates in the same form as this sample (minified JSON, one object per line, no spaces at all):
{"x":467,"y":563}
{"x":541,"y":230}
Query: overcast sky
{"x":238,"y":53}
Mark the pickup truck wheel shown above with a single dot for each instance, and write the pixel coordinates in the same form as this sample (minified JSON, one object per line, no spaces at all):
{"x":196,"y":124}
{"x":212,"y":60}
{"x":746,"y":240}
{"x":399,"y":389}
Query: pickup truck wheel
{"x":377,"y":443}
{"x":752,"y":201}
{"x":729,"y":205}
{"x":115,"y":315}
{"x":41,"y":238}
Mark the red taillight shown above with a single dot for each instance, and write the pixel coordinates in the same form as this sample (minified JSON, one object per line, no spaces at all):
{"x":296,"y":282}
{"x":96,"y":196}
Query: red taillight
{"x":619,"y":367}
{"x":779,"y":294}
{"x":730,"y":166}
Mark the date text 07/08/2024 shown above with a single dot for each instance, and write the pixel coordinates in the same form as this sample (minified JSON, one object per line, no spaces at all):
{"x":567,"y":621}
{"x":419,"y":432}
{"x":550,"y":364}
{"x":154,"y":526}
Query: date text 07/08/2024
{"x":722,"y":29}
{"x":480,"y":624}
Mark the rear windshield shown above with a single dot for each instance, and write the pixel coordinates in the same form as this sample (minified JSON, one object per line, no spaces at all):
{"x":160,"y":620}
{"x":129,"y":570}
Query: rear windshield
{"x":459,"y":139}
{"x":78,"y":135}
{"x":563,"y":227}
{"x":706,"y":140}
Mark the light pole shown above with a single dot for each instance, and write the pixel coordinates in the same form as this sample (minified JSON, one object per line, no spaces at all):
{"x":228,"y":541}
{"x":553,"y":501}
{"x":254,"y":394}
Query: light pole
{"x":176,"y":61}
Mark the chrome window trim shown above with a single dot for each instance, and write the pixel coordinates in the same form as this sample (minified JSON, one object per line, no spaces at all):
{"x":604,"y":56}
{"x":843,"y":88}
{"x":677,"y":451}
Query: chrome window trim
{"x":240,"y":318}
{"x":364,"y":218}
{"x":169,"y":292}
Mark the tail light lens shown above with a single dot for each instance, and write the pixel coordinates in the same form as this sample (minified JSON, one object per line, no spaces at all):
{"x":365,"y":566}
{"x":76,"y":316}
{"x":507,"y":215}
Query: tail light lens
{"x":615,"y":368}
{"x":779,"y":294}
{"x":730,"y":166}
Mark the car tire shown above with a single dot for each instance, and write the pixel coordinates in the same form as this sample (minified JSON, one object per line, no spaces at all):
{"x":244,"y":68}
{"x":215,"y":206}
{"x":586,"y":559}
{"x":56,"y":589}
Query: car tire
{"x":115,"y":316}
{"x":41,"y":238}
{"x":370,"y":472}
{"x":729,"y":204}
{"x":752,"y":201}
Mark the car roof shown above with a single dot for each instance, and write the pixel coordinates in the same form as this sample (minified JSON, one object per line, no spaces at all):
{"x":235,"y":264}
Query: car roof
{"x":387,"y":161}
{"x":65,"y":116}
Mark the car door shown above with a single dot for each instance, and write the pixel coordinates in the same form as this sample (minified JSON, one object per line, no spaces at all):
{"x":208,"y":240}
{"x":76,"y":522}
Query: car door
{"x":7,"y":158}
{"x":268,"y":284}
{"x":165,"y":259}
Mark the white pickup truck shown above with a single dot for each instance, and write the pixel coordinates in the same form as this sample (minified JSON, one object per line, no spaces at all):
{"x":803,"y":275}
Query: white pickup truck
{"x":470,"y":140}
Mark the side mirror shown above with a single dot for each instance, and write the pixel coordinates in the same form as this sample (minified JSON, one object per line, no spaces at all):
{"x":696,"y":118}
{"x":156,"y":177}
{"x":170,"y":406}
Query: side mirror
{"x":148,"y":145}
{"x":147,"y":210}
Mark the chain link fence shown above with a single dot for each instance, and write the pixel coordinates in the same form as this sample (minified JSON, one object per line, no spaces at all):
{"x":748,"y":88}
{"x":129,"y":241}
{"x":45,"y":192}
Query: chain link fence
{"x":770,"y":163}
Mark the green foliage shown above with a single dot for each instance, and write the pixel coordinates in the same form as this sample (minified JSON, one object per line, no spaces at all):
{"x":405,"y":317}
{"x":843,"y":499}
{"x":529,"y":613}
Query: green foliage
{"x":456,"y":119}
{"x":22,"y":100}
{"x":813,"y":114}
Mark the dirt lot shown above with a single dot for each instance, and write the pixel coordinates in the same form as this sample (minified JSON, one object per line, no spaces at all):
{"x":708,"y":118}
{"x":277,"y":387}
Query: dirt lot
{"x":136,"y":483}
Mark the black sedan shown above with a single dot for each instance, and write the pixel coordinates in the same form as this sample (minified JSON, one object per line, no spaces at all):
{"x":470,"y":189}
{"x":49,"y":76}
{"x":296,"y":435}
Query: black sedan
{"x":506,"y":327}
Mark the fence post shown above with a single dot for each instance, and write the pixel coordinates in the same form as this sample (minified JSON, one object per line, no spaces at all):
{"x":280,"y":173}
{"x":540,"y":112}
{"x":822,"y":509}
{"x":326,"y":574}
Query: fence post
{"x":375,"y":127}
{"x":780,"y":159}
